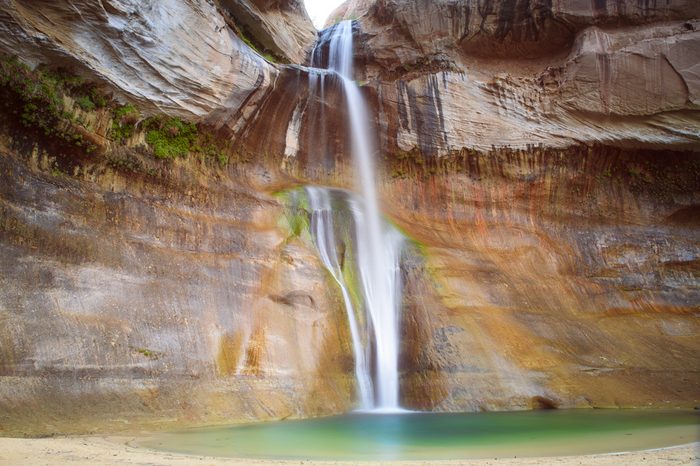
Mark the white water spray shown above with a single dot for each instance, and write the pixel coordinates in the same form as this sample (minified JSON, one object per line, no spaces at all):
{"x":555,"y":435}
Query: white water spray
{"x":378,"y":246}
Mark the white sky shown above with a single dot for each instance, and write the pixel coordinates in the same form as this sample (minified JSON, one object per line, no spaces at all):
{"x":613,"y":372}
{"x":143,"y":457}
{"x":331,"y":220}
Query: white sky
{"x":319,"y":10}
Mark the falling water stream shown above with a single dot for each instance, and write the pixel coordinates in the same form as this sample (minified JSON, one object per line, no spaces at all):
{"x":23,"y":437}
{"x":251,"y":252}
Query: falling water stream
{"x":323,"y":231}
{"x":378,"y":245}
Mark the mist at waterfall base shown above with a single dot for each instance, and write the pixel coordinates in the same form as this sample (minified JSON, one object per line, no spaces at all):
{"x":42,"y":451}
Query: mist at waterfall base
{"x":425,"y":436}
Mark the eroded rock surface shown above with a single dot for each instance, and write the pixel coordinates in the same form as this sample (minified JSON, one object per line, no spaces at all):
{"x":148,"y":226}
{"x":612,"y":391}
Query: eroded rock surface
{"x":627,"y":79}
{"x":496,"y":28}
{"x":283,"y":27}
{"x":634,"y":87}
{"x":175,"y":57}
{"x":155,"y":303}
{"x":569,"y":277}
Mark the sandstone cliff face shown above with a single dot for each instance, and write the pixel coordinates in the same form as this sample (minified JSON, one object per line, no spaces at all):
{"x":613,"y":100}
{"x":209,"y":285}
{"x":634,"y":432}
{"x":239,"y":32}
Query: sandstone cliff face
{"x":498,"y":28}
{"x":562,"y":278}
{"x":283,"y":27}
{"x":175,"y":57}
{"x":548,"y":178}
{"x":542,"y":156}
{"x":634,"y":86}
{"x":132,"y":302}
{"x":625,"y":89}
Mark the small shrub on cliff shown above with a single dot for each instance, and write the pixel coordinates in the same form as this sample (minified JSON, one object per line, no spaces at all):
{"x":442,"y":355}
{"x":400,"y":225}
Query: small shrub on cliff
{"x":100,"y":100}
{"x":37,"y":95}
{"x":40,"y":96}
{"x":247,"y":41}
{"x":124,"y":119}
{"x":208,"y":146}
{"x":223,"y":159}
{"x":150,"y":354}
{"x":35,"y":99}
{"x":86,"y":103}
{"x":269,"y":57}
{"x":86,"y":94}
{"x":173,"y":137}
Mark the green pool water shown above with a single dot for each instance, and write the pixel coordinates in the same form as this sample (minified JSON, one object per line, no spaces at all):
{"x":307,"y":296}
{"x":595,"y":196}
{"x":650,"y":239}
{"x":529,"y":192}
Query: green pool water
{"x":424,"y":436}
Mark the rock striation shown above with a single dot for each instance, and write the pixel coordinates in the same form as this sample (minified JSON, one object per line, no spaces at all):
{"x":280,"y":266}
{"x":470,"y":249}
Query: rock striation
{"x":622,"y":85}
{"x":282,"y":27}
{"x":552,"y":278}
{"x":497,"y":28}
{"x":175,"y":57}
{"x":626,"y":79}
{"x":128,"y":301}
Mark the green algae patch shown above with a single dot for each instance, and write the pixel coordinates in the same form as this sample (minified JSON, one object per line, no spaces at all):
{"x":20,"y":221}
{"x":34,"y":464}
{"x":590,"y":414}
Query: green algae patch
{"x":296,"y":216}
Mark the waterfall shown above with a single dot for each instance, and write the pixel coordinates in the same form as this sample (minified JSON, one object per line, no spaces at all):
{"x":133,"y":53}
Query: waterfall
{"x":339,"y":218}
{"x":323,"y":231}
{"x":378,"y":245}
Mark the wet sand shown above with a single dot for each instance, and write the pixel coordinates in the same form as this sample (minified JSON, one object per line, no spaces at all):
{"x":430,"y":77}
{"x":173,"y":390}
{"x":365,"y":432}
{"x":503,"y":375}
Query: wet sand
{"x":119,"y":451}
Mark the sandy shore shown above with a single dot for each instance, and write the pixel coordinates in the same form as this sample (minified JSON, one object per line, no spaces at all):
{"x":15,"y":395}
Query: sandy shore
{"x":119,"y":451}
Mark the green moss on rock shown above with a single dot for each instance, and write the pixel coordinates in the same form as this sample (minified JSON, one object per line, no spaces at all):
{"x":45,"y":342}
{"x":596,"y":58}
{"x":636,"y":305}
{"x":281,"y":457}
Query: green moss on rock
{"x":53,"y":106}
